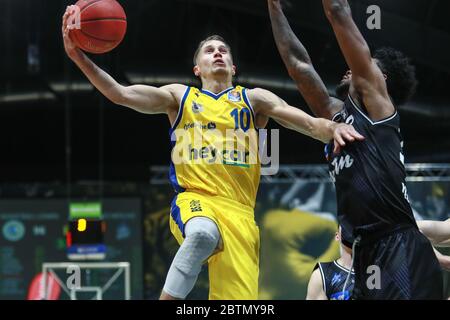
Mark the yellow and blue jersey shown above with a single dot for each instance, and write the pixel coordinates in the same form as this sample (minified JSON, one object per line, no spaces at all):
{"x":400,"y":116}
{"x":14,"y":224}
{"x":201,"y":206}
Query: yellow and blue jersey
{"x":215,"y":145}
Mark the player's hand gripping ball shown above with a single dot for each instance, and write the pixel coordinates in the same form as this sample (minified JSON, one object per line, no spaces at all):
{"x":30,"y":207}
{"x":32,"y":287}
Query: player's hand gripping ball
{"x":96,"y":26}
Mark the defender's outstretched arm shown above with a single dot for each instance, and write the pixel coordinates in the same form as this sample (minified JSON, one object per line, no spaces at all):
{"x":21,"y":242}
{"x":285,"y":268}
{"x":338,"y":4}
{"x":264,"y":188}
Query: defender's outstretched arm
{"x":367,"y":78}
{"x":299,"y":65}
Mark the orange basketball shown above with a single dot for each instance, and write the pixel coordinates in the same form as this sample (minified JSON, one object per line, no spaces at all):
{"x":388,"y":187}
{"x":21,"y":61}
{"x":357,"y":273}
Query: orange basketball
{"x":100,"y":25}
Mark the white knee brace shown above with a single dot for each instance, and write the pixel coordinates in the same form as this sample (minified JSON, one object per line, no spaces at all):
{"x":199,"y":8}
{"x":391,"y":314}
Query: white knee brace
{"x":202,"y":238}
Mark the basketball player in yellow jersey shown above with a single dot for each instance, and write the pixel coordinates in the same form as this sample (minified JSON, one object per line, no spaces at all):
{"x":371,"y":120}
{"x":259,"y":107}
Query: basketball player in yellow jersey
{"x":212,"y":214}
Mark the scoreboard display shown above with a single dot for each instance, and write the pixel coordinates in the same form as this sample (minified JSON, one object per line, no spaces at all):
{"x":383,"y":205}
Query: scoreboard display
{"x":35,"y":231}
{"x":85,"y":234}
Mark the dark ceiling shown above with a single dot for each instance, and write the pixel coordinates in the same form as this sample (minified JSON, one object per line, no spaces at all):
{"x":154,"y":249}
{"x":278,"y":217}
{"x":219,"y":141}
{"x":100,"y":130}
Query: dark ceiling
{"x":40,"y":118}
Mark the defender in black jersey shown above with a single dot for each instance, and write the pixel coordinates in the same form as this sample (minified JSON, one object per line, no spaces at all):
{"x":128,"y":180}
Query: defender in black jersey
{"x":333,"y":280}
{"x":333,"y":277}
{"x":393,"y":260}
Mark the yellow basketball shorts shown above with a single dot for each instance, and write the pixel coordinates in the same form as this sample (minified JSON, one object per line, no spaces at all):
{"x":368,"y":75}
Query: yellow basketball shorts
{"x":234,"y":268}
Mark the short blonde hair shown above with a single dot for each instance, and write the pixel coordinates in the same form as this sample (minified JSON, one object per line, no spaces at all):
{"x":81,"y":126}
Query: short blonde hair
{"x":210,"y":38}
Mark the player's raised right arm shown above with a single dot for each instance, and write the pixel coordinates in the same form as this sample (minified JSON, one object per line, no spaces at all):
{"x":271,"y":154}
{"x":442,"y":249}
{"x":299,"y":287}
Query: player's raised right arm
{"x":142,"y":98}
{"x":299,"y":65}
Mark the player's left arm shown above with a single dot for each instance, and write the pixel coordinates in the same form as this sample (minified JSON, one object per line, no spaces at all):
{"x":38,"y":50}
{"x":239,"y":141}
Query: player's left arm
{"x":270,"y":105}
{"x":367,"y":78}
{"x":444,"y":260}
{"x":438,"y":232}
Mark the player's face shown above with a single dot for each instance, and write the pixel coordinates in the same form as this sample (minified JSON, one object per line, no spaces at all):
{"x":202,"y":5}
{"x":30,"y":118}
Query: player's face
{"x":344,"y":86}
{"x":214,"y":58}
{"x":347,"y":77}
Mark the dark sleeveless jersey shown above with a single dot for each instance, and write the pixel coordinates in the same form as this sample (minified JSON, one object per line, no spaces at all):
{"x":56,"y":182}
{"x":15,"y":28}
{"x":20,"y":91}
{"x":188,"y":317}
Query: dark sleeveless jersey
{"x":369,"y":175}
{"x":333,"y":279}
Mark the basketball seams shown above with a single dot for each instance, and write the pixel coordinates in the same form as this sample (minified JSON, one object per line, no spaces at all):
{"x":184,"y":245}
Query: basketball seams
{"x":89,"y":5}
{"x":118,"y":6}
{"x":104,"y":19}
{"x":95,"y":38}
{"x":103,"y":26}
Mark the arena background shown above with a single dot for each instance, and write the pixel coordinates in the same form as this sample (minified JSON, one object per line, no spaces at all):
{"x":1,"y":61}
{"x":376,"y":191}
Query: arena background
{"x":61,"y":141}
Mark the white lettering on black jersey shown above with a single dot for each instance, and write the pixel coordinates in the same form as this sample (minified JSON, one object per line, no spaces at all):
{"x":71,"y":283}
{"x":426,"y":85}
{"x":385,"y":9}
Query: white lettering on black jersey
{"x":369,"y":175}
{"x":333,"y":280}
